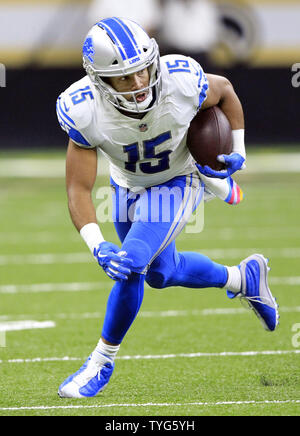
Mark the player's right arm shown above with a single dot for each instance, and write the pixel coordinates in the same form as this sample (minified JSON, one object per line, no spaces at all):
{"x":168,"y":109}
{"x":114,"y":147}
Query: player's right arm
{"x":222,"y":93}
{"x":81,"y":173}
{"x":75,"y":109}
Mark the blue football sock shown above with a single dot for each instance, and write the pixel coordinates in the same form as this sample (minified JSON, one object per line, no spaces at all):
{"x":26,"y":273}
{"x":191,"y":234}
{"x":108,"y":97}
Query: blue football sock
{"x":123,"y":305}
{"x":195,"y":270}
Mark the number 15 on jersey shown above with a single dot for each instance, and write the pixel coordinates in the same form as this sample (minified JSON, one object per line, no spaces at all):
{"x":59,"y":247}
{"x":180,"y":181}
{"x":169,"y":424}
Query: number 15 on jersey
{"x":149,"y":152}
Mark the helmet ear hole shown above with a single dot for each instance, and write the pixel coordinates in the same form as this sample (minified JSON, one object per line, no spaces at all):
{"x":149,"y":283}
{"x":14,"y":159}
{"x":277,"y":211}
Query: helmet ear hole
{"x":106,"y":80}
{"x":115,"y":62}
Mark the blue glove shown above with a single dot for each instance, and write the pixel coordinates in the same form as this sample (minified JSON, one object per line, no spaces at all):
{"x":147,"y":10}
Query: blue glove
{"x":113,"y":261}
{"x":233,"y":162}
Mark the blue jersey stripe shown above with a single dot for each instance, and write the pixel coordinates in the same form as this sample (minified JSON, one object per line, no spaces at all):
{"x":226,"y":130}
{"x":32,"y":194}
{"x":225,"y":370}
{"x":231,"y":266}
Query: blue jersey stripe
{"x":73,"y":133}
{"x":178,"y":221}
{"x":120,"y":37}
{"x":203,"y":94}
{"x":62,"y":112}
{"x":199,"y":73}
{"x":77,"y":137}
{"x":60,"y":116}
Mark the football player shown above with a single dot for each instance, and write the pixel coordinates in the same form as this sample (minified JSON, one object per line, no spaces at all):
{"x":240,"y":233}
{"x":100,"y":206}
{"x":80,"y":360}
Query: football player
{"x":135,"y":107}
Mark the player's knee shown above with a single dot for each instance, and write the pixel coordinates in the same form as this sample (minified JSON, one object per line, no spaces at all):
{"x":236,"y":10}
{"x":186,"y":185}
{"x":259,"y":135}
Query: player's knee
{"x":156,"y":279}
{"x":159,"y":274}
{"x":139,"y":251}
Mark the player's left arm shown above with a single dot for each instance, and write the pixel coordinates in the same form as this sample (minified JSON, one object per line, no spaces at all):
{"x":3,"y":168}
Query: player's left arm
{"x":221,"y":93}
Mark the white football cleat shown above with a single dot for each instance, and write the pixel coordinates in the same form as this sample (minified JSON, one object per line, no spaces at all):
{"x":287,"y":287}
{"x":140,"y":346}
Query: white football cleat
{"x":88,"y":381}
{"x":255,"y":290}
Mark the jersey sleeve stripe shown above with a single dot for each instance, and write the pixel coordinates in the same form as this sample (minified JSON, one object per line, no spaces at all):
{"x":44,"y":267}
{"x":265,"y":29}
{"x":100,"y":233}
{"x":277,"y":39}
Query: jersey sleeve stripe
{"x":62,"y":112}
{"x":203,"y":95}
{"x":78,"y":138}
{"x":60,"y":118}
{"x":74,"y":134}
{"x":204,"y":89}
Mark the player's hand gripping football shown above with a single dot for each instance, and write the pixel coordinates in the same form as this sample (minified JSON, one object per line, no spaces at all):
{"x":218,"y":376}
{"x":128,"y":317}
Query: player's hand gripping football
{"x":113,"y":261}
{"x":233,"y":162}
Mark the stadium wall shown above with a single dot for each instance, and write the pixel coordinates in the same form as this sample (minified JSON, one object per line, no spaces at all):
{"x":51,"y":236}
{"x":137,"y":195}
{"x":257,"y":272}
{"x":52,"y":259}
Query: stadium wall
{"x":28,"y":117}
{"x":258,"y":49}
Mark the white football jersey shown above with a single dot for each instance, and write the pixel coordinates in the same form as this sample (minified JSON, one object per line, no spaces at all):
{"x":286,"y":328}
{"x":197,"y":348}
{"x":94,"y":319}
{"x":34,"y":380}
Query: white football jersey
{"x":141,"y":152}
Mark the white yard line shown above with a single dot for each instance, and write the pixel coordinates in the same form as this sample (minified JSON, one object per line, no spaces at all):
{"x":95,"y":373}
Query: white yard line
{"x":32,"y":167}
{"x":213,"y":233}
{"x":11,"y":326}
{"x":45,"y":259}
{"x":160,"y":356}
{"x":85,"y":257}
{"x":96,"y":286}
{"x":40,"y":237}
{"x":135,"y":405}
{"x":39,"y":167}
{"x":55,"y":167}
{"x":53,"y":287}
{"x":144,"y":314}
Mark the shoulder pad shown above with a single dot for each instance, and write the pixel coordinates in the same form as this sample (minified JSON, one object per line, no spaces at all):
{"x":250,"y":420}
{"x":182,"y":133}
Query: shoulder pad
{"x":185,"y":77}
{"x":75,"y":105}
{"x":74,"y":109}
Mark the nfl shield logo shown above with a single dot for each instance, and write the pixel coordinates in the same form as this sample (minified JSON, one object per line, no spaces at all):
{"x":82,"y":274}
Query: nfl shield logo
{"x":143,"y":127}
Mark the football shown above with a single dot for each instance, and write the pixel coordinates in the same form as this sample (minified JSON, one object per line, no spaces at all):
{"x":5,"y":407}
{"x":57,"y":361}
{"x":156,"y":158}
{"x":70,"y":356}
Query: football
{"x":208,"y":136}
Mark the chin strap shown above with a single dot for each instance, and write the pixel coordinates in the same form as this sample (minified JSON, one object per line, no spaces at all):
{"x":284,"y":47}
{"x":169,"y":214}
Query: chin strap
{"x":132,"y":105}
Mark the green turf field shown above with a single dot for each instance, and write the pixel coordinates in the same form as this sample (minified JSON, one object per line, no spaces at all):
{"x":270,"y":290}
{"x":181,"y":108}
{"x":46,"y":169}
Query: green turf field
{"x":189,"y":352}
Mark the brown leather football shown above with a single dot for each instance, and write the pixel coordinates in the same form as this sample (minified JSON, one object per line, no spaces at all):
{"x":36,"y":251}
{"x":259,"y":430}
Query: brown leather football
{"x":209,"y":135}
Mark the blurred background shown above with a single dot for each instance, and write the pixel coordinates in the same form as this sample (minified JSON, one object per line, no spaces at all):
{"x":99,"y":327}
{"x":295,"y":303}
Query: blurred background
{"x":256,"y":44}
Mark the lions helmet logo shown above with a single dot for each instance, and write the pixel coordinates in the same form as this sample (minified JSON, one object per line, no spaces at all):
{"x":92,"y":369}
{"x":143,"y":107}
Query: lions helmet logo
{"x":88,"y":49}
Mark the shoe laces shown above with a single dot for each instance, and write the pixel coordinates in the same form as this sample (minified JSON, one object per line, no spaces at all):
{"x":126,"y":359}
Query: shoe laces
{"x":87,"y":374}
